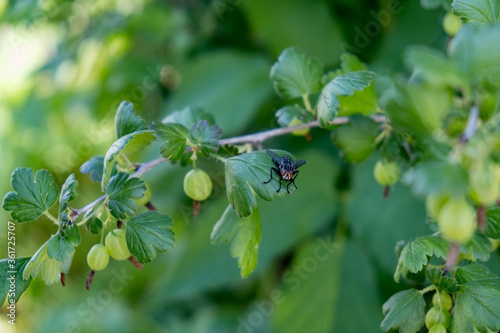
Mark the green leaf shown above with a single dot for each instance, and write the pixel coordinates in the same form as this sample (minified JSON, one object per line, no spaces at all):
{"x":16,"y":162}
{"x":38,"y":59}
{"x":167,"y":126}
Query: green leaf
{"x":475,"y":54}
{"x":434,"y":67}
{"x":405,"y":311}
{"x":245,"y":233}
{"x":189,"y":116}
{"x":126,"y":122}
{"x":492,"y":222}
{"x":68,"y":193}
{"x":50,"y":269}
{"x":482,"y":11}
{"x":11,"y":274}
{"x":173,"y":138}
{"x":415,"y":254}
{"x":364,"y":102}
{"x":473,"y":272}
{"x":477,"y":305}
{"x":288,"y":113}
{"x":94,"y":225}
{"x":149,"y":233}
{"x":245,"y":245}
{"x":437,"y":177}
{"x":296,"y":74}
{"x":94,"y":167}
{"x":121,"y":192}
{"x":479,"y":246}
{"x":342,"y":85}
{"x":245,"y":175}
{"x":226,"y":227}
{"x":63,"y":243}
{"x":417,"y":109}
{"x":356,"y":138}
{"x":127,"y":144}
{"x":206,"y":138}
{"x":32,"y":196}
{"x":445,"y":283}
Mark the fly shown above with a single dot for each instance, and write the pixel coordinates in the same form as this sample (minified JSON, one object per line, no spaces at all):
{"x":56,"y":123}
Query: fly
{"x":286,"y":169}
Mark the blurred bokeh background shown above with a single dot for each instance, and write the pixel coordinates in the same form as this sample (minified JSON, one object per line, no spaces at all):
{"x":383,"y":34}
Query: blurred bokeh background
{"x":66,"y":65}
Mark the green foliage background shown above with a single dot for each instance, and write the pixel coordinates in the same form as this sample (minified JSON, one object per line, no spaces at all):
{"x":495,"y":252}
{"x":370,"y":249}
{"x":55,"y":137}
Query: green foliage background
{"x":66,"y":65}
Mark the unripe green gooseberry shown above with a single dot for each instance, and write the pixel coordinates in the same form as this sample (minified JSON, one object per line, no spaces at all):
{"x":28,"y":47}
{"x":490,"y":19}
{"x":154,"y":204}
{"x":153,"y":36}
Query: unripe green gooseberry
{"x":442,"y":299}
{"x":296,"y":121}
{"x":146,"y":197}
{"x":117,"y":245}
{"x":484,"y":186}
{"x":451,"y":24}
{"x":457,"y":220}
{"x":197,"y":185}
{"x":98,"y":257}
{"x":434,"y":317}
{"x":434,"y":202}
{"x":438,"y":329}
{"x":386,"y":173}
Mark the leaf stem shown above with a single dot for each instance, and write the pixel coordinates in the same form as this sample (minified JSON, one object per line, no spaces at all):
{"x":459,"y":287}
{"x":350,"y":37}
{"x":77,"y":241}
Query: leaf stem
{"x":51,"y":217}
{"x":307,"y":104}
{"x":219,"y":158}
{"x":427,"y":289}
{"x":193,"y":158}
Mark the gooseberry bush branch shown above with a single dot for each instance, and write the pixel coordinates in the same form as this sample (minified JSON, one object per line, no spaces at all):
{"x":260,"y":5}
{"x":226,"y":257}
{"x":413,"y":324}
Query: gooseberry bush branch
{"x":253,"y":139}
{"x":438,"y":132}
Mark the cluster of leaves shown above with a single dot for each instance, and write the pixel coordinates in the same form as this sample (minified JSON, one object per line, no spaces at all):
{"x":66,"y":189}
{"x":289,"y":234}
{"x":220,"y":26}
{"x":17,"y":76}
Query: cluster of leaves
{"x":449,"y":148}
{"x":36,"y":193}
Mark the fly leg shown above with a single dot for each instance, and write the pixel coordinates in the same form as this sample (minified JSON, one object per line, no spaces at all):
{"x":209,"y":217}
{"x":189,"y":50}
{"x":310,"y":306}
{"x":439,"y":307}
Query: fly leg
{"x":271,"y":174}
{"x":279,"y":188}
{"x":292,"y":181}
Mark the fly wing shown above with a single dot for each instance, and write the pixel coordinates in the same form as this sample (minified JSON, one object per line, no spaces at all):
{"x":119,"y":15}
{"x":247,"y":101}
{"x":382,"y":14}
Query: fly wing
{"x":276,"y":159}
{"x":299,"y":163}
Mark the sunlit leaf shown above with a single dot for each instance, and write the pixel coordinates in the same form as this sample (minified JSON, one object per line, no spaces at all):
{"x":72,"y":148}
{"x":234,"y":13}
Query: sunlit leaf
{"x":126,"y":121}
{"x":342,"y":85}
{"x":32,"y":196}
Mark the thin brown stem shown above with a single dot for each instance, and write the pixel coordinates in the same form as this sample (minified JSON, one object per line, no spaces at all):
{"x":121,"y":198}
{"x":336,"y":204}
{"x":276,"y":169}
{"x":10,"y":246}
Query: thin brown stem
{"x":135,"y":262}
{"x":453,"y":256}
{"x":90,"y":278}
